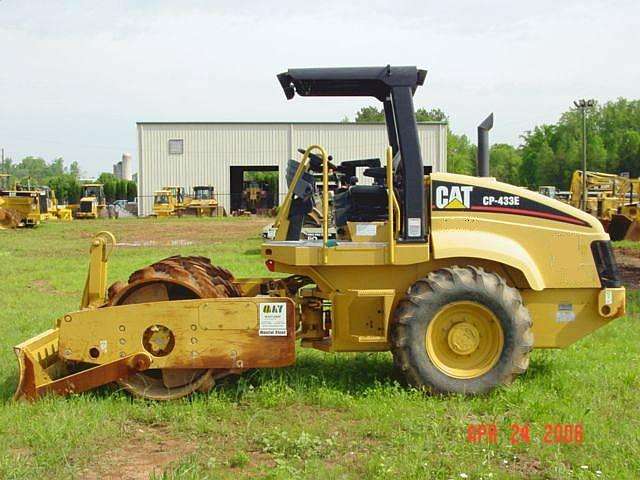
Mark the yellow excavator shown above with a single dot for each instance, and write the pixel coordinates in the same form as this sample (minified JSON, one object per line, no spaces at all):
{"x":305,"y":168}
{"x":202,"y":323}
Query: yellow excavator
{"x":613,"y":199}
{"x":459,"y":277}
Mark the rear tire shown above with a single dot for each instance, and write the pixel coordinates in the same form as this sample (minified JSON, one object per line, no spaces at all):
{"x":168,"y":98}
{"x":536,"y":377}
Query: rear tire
{"x":461,"y":330}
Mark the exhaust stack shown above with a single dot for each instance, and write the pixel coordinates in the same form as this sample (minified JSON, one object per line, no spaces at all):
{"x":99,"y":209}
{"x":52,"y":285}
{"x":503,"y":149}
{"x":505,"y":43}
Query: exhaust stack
{"x":483,"y":146}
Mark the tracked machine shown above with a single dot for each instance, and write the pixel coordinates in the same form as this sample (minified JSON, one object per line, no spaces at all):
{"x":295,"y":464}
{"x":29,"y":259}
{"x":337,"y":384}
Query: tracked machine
{"x":169,"y":202}
{"x":203,"y":202}
{"x":458,"y":276}
{"x":93,"y":202}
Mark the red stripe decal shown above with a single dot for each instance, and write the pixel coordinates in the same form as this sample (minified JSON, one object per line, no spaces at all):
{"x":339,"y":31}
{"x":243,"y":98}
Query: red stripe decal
{"x":532,"y":213}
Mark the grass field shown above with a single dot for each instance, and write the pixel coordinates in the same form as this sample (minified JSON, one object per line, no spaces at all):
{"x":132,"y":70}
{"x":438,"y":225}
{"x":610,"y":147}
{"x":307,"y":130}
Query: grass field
{"x":330,"y":416}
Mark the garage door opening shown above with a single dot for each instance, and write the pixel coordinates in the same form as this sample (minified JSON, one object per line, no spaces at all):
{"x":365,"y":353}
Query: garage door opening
{"x":254,"y":189}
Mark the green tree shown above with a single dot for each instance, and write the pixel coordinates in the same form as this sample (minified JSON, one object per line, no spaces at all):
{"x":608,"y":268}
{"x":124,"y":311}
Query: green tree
{"x":629,"y":152}
{"x":110,"y":190}
{"x":132,"y":191}
{"x":370,"y":115}
{"x":545,"y":166}
{"x":433,"y":115}
{"x":461,"y":154}
{"x":74,"y":169}
{"x":106,"y":177}
{"x":376,"y":115}
{"x":66,"y":187}
{"x":613,"y":144}
{"x":505,"y":163}
{"x":121,"y":189}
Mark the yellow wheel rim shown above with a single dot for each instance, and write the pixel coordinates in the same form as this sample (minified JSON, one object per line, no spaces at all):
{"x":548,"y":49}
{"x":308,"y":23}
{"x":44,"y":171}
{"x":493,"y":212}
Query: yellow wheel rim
{"x":464,"y":340}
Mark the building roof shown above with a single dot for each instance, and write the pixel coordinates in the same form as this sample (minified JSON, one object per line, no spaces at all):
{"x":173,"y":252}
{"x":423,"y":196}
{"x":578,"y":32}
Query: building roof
{"x":281,"y":123}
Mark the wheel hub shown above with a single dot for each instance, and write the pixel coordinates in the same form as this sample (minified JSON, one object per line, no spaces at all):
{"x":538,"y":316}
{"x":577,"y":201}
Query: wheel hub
{"x":158,"y":340}
{"x":463,"y":338}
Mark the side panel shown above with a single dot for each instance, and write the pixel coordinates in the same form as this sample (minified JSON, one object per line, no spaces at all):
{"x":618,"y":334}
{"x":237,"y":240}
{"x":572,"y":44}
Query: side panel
{"x":565,"y":315}
{"x":207,"y":333}
{"x":550,"y":242}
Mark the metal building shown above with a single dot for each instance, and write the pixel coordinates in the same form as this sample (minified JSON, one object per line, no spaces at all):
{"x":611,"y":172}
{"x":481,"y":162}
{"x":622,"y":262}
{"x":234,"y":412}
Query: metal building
{"x":218,"y":154}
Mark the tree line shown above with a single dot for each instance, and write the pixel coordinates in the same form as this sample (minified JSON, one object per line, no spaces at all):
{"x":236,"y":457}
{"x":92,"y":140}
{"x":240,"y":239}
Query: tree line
{"x":549,"y":154}
{"x":64,"y":180}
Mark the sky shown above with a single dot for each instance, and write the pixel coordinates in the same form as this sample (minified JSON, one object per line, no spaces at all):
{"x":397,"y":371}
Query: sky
{"x":76,"y":76}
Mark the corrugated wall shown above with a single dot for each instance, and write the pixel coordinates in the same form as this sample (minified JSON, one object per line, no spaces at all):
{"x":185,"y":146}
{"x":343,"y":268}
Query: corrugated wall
{"x":210,"y":149}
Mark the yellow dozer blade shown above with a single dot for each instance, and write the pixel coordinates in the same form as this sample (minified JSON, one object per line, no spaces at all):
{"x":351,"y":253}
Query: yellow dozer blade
{"x":42,"y":366}
{"x":42,"y":370}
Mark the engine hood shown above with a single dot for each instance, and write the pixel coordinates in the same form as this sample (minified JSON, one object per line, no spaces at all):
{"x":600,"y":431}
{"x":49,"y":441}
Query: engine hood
{"x":451,"y":192}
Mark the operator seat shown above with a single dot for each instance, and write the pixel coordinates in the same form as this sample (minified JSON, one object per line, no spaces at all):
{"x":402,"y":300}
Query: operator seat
{"x":361,"y":203}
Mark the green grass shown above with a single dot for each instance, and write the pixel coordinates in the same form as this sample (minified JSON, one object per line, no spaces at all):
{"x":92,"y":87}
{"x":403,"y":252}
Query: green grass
{"x":330,"y":416}
{"x":627,"y":244}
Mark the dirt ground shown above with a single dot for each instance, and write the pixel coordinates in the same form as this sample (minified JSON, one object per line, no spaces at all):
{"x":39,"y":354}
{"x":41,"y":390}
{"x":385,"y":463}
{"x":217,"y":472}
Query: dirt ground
{"x":628,"y":260}
{"x":147,"y":453}
{"x":182,"y":232}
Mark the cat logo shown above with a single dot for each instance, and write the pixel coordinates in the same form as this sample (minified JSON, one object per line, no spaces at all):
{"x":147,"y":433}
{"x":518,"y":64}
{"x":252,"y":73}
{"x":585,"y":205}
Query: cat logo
{"x":272,"y":307}
{"x":454,"y":197}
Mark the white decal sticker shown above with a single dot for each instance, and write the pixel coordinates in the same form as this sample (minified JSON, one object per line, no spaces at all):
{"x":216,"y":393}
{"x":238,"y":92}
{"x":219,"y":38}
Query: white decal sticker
{"x":366,"y":229}
{"x":608,"y":297}
{"x":273,"y":320}
{"x":103,"y":345}
{"x":415,"y":227}
{"x":565,"y":313}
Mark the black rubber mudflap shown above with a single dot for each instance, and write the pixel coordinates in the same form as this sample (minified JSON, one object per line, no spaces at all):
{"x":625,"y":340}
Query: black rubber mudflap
{"x":618,"y":227}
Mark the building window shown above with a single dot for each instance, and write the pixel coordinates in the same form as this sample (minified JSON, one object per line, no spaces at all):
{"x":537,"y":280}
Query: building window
{"x":176,"y":147}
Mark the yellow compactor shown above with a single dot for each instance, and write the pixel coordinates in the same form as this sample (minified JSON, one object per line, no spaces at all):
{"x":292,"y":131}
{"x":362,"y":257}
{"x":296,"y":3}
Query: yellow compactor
{"x":459,"y":277}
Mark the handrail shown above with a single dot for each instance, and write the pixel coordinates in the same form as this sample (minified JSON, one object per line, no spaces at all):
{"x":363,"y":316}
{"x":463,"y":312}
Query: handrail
{"x":284,"y":212}
{"x":396,"y":207}
{"x":325,"y":202}
{"x":392,"y":205}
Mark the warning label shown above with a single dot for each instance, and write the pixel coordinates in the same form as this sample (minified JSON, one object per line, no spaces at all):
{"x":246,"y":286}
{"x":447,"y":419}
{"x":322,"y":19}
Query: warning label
{"x":273,"y":320}
{"x":565,"y":313}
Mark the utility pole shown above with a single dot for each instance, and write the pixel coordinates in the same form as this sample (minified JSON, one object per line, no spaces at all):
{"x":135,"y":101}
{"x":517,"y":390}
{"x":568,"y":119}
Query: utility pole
{"x":582,"y":105}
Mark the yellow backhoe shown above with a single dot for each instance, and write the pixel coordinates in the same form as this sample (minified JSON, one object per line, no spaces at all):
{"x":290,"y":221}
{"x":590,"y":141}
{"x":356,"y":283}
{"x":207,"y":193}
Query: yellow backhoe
{"x":459,"y":277}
